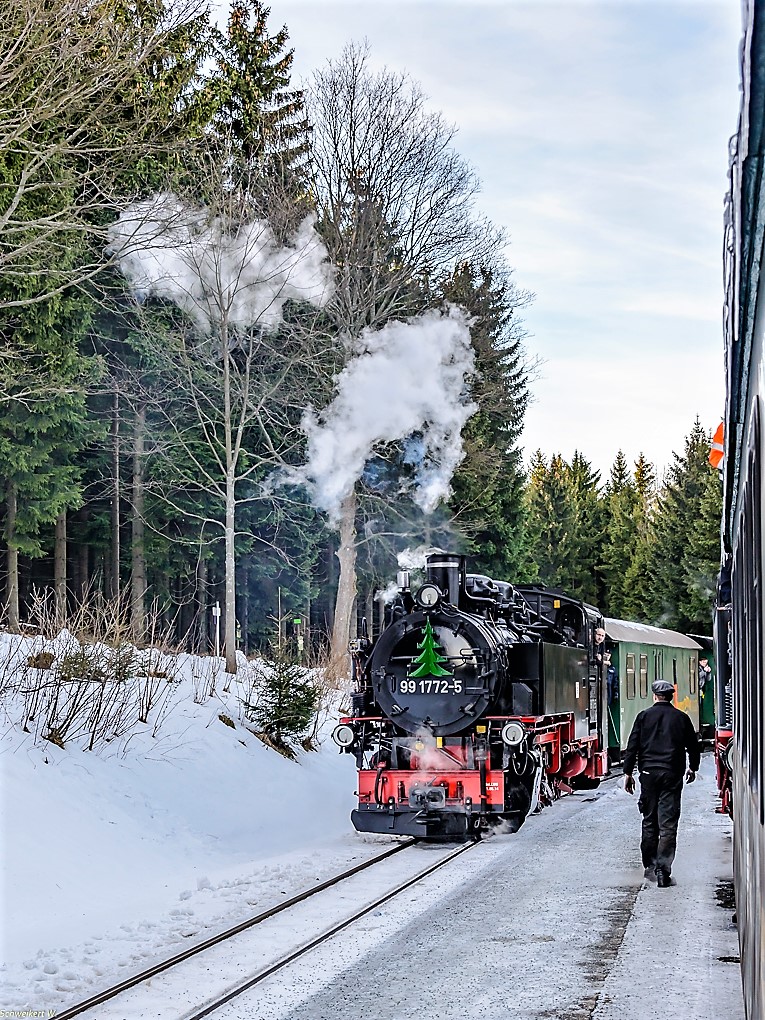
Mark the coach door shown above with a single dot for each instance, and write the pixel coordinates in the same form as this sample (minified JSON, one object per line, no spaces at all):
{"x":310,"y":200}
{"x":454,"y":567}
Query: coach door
{"x":658,"y":665}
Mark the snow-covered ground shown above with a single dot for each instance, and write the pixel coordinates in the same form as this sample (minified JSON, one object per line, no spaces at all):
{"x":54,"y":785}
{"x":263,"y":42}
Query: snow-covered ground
{"x":555,"y":922}
{"x":117,"y":857}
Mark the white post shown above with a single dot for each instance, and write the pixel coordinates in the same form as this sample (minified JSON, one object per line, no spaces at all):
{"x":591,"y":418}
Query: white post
{"x":279,"y":616}
{"x":216,"y":614}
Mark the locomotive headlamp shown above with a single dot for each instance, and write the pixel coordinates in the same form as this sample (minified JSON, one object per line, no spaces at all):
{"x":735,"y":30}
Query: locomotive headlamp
{"x":513,"y":733}
{"x":427,"y":596}
{"x":343,"y":735}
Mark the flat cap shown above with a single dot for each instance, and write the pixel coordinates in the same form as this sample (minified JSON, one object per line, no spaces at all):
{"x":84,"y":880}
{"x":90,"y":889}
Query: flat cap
{"x":662,"y":687}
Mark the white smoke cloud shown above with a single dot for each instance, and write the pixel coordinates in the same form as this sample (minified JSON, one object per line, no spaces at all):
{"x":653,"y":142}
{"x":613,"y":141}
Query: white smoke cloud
{"x":211,"y":271}
{"x":415,"y":559}
{"x":407,"y":378}
{"x":388,"y":593}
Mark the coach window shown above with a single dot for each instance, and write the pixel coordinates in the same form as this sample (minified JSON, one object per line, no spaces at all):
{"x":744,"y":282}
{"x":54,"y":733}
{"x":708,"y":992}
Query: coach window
{"x":692,"y":674}
{"x":631,"y":676}
{"x":643,"y":676}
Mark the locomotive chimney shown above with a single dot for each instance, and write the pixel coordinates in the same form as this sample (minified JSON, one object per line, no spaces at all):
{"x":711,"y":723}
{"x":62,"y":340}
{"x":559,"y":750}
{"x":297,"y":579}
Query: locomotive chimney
{"x":448,"y":572}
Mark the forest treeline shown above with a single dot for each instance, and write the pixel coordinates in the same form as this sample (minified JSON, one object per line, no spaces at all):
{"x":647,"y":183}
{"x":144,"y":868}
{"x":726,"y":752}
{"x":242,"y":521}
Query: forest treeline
{"x":194,"y":255}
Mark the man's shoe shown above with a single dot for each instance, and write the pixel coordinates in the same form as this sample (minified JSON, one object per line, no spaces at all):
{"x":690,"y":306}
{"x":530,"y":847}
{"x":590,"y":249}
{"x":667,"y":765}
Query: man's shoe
{"x":662,"y":878}
{"x":650,"y":873}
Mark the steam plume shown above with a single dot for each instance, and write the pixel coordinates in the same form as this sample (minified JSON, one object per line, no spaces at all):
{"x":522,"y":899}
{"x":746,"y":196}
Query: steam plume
{"x":408,"y":379}
{"x":214,"y":270}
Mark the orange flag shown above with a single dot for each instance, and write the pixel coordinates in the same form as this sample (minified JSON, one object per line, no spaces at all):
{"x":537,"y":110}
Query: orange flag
{"x":717,"y":452}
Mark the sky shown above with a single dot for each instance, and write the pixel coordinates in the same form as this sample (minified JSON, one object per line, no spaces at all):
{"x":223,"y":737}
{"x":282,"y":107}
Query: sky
{"x":600,"y":132}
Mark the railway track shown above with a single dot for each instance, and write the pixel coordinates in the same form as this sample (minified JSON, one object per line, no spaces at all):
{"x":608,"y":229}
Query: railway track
{"x":116,"y":993}
{"x":172,"y":987}
{"x":289,"y":958}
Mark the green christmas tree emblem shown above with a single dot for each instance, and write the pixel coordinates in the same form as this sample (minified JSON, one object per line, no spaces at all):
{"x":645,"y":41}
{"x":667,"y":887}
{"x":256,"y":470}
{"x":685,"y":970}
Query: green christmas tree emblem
{"x":430,"y":656}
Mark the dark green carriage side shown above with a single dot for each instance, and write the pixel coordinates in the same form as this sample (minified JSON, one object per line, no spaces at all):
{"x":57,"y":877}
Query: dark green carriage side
{"x":641,"y":655}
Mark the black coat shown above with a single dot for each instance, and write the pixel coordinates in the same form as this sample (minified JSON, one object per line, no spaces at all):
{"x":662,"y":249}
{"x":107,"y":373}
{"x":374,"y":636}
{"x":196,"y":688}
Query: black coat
{"x":659,"y":741}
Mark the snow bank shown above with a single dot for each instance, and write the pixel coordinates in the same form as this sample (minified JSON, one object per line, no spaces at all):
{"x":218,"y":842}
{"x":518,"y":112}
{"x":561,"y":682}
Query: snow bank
{"x":113,"y":857}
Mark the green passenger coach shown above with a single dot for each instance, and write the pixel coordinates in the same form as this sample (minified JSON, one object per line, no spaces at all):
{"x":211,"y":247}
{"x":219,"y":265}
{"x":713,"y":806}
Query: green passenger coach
{"x":640,"y":655}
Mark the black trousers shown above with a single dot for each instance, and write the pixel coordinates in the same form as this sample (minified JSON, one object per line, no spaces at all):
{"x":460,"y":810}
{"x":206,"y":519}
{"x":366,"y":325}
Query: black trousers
{"x":659,"y":804}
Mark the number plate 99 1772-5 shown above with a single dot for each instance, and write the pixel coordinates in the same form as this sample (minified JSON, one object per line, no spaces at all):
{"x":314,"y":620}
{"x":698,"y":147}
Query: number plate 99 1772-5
{"x":431,"y":685}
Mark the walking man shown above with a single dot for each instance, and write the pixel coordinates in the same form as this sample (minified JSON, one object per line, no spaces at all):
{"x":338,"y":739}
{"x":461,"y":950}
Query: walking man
{"x":660,"y":739}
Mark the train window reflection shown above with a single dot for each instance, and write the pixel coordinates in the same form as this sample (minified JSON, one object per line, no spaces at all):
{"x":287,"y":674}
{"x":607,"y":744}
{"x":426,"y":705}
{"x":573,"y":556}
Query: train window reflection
{"x":630,"y":675}
{"x":643,"y":676}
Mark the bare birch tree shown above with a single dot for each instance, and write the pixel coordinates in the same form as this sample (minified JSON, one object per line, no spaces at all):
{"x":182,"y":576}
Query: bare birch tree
{"x":396,"y":206}
{"x":235,"y":377}
{"x":75,"y":119}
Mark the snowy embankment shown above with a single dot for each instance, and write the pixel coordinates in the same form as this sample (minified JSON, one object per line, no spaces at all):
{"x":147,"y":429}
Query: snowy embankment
{"x":156,"y":837}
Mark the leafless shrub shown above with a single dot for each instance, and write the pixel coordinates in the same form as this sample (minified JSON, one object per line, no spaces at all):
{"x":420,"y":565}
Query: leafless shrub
{"x":203,"y":680}
{"x":10,"y":663}
{"x":329,"y":689}
{"x":91,"y":684}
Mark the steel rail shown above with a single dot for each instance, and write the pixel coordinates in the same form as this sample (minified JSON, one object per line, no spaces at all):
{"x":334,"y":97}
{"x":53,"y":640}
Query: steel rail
{"x":200,"y":947}
{"x":245,"y":986}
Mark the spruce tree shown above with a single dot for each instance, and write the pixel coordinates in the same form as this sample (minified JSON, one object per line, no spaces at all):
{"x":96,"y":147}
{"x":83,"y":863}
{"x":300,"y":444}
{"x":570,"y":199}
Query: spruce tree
{"x":287,"y":699}
{"x":488,"y":485}
{"x":258,"y":114}
{"x":587,"y":566}
{"x":43,"y":428}
{"x":635,"y":604}
{"x":620,"y":536}
{"x":701,"y":560}
{"x":675,"y":571}
{"x":552,"y":506}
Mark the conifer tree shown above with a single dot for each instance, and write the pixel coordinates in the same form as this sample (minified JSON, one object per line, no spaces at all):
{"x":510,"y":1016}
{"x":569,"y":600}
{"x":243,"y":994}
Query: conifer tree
{"x":588,"y":535}
{"x":636,"y":581}
{"x":488,"y":485}
{"x":552,"y":522}
{"x":619,"y":536}
{"x":43,"y":427}
{"x":258,"y":113}
{"x":287,"y":700}
{"x":675,"y":573}
{"x":701,"y":560}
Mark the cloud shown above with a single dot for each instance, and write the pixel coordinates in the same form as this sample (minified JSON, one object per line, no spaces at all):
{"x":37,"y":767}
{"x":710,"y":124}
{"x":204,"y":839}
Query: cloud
{"x":704,"y":308}
{"x":600,"y":131}
{"x":633,"y":401}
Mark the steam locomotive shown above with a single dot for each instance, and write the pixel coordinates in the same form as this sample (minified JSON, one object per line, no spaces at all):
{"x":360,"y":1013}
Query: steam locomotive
{"x":479,"y":702}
